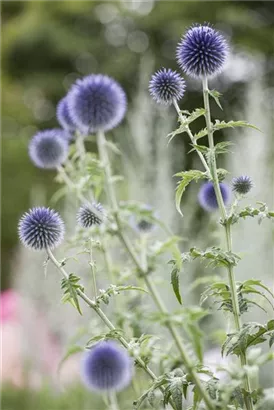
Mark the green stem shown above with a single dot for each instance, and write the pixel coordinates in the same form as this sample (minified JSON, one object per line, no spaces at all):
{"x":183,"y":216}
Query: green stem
{"x":80,"y":145}
{"x":101,"y":314}
{"x":143,"y":270}
{"x":73,"y":187}
{"x":113,"y":401}
{"x":231,"y":276}
{"x":93,"y":269}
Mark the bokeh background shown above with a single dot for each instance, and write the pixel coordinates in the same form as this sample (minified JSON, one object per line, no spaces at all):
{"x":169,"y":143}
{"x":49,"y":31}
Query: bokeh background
{"x":47,"y":45}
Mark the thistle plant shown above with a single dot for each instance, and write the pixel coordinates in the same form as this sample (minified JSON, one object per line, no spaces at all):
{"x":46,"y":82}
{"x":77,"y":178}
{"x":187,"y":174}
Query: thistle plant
{"x":114,"y":359}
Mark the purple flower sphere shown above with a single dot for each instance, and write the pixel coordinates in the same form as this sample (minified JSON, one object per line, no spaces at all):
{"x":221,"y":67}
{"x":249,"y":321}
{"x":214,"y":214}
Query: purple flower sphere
{"x":86,"y":216}
{"x":97,"y":102}
{"x":202,"y":51}
{"x":107,"y":367}
{"x":207,"y":197}
{"x":49,"y":148}
{"x":167,"y":85}
{"x":242,"y":185}
{"x":64,"y":117}
{"x":41,"y":228}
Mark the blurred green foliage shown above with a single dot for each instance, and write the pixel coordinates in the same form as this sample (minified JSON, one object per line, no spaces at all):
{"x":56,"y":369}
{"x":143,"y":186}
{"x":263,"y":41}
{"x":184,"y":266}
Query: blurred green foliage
{"x":46,"y":45}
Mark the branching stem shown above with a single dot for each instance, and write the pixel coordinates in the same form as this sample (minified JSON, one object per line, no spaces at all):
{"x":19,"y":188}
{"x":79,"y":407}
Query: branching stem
{"x":143,"y":270}
{"x":231,"y":276}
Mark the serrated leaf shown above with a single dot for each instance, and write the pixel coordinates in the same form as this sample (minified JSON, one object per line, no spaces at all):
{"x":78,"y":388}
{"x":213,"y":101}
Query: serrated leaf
{"x":176,"y":284}
{"x":116,"y":290}
{"x":186,"y":178}
{"x":271,"y":339}
{"x":219,"y":125}
{"x":221,"y":147}
{"x":70,"y":286}
{"x":250,"y":334}
{"x":176,"y":393}
{"x":216,"y":95}
{"x":202,"y":133}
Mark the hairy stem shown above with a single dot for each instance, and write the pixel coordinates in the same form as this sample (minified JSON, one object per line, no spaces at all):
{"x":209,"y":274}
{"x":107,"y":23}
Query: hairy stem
{"x":231,"y":276}
{"x":113,"y":401}
{"x":101,"y":314}
{"x":93,"y":268}
{"x":143,"y":269}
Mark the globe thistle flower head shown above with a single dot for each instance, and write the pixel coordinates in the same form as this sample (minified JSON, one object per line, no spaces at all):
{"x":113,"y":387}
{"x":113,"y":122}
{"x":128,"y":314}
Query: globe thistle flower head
{"x":242,"y":185}
{"x":41,"y":228}
{"x":87,"y":215}
{"x":49,"y":149}
{"x":207,"y":197}
{"x":97,"y":102}
{"x":144,"y":222}
{"x":202,"y":51}
{"x":106,"y":367}
{"x":64,"y":117}
{"x":166,"y":85}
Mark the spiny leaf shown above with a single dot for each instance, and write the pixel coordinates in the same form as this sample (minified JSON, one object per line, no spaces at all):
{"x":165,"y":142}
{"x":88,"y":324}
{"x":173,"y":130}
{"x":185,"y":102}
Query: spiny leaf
{"x":251,"y":334}
{"x":186,"y":178}
{"x":214,"y":255}
{"x":176,"y":393}
{"x":70,"y":286}
{"x":219,"y":125}
{"x":215,"y":95}
{"x":198,"y":112}
{"x":116,"y":290}
{"x":221,"y":147}
{"x":271,"y":339}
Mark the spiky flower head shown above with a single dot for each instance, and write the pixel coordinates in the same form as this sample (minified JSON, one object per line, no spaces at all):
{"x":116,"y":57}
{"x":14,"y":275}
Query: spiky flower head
{"x":107,"y":367}
{"x":207,"y":197}
{"x":166,"y":85}
{"x":242,"y":185}
{"x":41,"y":228}
{"x":90,"y":214}
{"x":202,"y":51}
{"x":97,"y":102}
{"x":144,"y":222}
{"x":63,"y":116}
{"x":49,"y":148}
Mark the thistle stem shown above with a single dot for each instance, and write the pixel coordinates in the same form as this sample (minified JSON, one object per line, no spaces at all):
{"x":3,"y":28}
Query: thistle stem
{"x":231,"y":276}
{"x":191,"y":136}
{"x":143,"y":271}
{"x":93,"y":268}
{"x":80,"y":145}
{"x":101,"y":314}
{"x":113,"y":401}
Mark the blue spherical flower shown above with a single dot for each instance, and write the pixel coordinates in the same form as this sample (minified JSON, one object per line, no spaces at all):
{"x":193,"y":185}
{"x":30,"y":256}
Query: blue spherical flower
{"x":167,"y":85}
{"x":144,"y":221}
{"x":202,"y":51}
{"x":242,"y":185}
{"x":41,"y":228}
{"x":87,"y":215}
{"x":207,"y":197}
{"x":97,"y":102}
{"x":63,"y":116}
{"x":107,"y":367}
{"x":49,"y":148}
